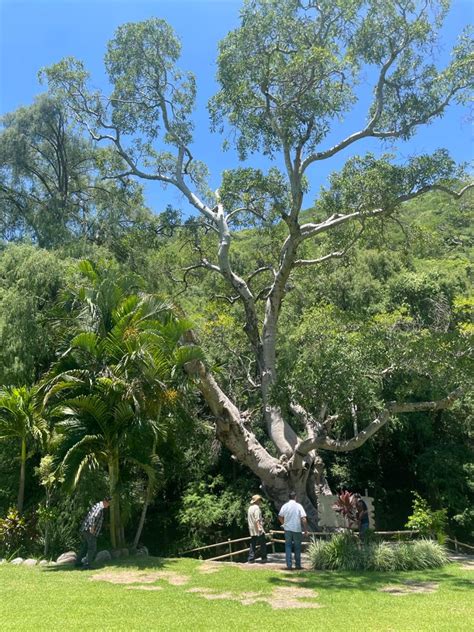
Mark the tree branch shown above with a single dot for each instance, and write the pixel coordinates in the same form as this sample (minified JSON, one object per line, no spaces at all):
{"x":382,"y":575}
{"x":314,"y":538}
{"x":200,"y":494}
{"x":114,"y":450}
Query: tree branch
{"x":326,"y":443}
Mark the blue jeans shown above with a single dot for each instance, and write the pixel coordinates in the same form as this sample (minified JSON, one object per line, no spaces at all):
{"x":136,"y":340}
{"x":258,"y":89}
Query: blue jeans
{"x":293,"y":537}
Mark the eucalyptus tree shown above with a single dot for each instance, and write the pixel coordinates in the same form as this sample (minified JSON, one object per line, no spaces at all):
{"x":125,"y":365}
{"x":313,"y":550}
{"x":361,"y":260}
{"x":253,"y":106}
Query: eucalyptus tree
{"x":21,"y":418}
{"x":113,"y":390}
{"x":287,"y":76}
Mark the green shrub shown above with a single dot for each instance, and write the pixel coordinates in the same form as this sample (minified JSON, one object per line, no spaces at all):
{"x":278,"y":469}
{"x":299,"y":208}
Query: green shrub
{"x":429,"y":554}
{"x":381,"y":557}
{"x":16,"y":534}
{"x":344,"y":552}
{"x":340,"y":552}
{"x":430,"y":523}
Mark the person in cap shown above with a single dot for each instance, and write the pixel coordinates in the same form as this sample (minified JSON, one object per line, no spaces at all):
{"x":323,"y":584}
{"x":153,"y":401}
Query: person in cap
{"x":293,"y":518}
{"x":90,"y":531}
{"x":257,"y":532}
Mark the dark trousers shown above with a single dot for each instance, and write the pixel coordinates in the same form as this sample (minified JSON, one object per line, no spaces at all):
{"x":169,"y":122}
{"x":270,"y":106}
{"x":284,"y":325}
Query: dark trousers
{"x":262,"y":543}
{"x":88,"y":549}
{"x":363,"y":528}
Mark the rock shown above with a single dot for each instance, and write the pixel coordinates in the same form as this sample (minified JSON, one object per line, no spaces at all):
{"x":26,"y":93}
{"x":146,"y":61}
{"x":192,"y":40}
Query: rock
{"x":124,"y":553}
{"x":2,"y":560}
{"x":142,"y":551}
{"x":30,"y":562}
{"x":69,"y":557}
{"x":116,"y":553}
{"x":17,"y":561}
{"x":43,"y":563}
{"x":103,"y":556}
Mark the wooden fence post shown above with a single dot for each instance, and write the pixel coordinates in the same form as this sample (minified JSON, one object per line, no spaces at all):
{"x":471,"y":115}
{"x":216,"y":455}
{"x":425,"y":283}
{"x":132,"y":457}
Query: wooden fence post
{"x":230,"y":549}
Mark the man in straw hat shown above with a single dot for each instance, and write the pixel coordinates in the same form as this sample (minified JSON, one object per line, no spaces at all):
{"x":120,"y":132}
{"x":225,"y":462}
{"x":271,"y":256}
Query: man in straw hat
{"x":257,"y":532}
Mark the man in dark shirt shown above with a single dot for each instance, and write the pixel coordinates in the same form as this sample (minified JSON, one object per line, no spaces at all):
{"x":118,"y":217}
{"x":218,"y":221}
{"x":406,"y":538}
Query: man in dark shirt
{"x":90,"y":530}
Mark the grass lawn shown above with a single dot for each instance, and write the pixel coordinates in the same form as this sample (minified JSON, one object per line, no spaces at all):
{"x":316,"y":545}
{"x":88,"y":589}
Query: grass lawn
{"x":154,"y":594}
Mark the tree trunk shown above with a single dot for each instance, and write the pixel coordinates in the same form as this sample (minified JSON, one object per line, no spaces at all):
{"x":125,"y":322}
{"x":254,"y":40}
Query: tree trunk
{"x":21,"y":487}
{"x":116,"y":533}
{"x":47,"y":526}
{"x":148,"y":496}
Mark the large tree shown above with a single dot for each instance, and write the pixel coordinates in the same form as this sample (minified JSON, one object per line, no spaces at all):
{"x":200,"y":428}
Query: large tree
{"x":288,"y":74}
{"x":52,"y":188}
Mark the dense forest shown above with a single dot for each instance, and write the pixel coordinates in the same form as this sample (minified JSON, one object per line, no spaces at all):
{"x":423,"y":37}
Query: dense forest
{"x":181,"y":362}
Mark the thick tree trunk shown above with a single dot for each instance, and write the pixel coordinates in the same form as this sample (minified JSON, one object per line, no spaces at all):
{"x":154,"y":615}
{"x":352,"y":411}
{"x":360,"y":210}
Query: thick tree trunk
{"x":278,"y":476}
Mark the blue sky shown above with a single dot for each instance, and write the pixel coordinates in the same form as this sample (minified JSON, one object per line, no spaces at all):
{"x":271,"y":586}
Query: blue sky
{"x":37,"y":33}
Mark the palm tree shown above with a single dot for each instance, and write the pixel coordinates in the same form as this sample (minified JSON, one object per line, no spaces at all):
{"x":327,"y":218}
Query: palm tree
{"x":21,"y":418}
{"x":116,"y":381}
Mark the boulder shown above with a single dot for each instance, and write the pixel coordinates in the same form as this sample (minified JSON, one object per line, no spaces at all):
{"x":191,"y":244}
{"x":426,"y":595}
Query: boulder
{"x":124,"y":553}
{"x":2,"y":560}
{"x":30,"y":562}
{"x":103,"y":556}
{"x":43,"y":563}
{"x":116,"y":553}
{"x":69,"y":557}
{"x":17,"y":561}
{"x":142,"y":551}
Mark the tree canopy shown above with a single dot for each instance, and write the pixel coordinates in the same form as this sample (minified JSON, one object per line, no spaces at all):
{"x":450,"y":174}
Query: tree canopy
{"x":321,"y":322}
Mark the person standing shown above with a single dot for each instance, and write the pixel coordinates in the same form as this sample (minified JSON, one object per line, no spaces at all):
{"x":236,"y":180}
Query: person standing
{"x":256,"y":530}
{"x":293,"y":518}
{"x":90,"y":531}
{"x":362,"y":516}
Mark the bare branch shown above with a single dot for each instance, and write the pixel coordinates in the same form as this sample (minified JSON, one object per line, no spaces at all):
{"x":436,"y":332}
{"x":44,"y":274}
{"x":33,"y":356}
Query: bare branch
{"x":309,"y":262}
{"x":326,"y":443}
{"x":229,"y":299}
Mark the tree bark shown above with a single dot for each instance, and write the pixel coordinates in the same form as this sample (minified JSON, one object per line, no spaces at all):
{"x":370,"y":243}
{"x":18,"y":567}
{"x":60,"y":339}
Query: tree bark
{"x":141,"y":523}
{"x":116,"y":532}
{"x":21,"y":486}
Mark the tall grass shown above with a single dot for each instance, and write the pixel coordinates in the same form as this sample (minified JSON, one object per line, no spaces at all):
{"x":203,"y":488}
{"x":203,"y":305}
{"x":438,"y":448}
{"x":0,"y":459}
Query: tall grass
{"x":344,"y":552}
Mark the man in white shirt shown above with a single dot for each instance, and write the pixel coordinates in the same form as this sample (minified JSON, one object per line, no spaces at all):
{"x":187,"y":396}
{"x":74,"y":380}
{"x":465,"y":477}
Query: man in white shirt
{"x":257,"y":532}
{"x":293,"y":518}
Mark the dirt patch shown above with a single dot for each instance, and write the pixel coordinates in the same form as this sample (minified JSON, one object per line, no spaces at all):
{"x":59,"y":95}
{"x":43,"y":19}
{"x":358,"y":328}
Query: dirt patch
{"x":208,"y":567}
{"x":282,"y":597}
{"x":125,"y":577}
{"x":410,"y":588}
{"x":140,"y":577}
{"x":173,"y":578}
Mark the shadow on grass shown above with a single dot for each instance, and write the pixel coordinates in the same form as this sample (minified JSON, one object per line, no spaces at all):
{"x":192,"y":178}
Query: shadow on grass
{"x":126,"y":562}
{"x":366,"y":581}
